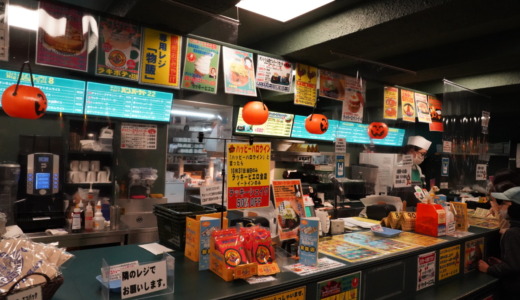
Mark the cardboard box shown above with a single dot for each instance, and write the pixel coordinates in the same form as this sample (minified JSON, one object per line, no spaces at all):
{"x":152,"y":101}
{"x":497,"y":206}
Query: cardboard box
{"x":192,"y":249}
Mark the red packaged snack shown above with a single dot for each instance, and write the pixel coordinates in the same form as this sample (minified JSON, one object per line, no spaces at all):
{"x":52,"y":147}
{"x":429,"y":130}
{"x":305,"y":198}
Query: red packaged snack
{"x":262,"y":247}
{"x":232,"y":249}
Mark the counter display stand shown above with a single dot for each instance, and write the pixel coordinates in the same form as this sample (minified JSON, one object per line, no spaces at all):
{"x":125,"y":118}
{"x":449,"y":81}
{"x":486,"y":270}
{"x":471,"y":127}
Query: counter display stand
{"x":393,"y":276}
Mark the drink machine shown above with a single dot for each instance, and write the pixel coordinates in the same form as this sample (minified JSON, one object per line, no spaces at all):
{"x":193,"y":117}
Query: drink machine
{"x":41,"y":202}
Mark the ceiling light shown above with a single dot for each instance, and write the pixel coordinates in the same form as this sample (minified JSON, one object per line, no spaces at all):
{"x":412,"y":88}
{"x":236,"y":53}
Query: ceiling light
{"x":283,"y":10}
{"x":188,"y":113}
{"x":22,"y":17}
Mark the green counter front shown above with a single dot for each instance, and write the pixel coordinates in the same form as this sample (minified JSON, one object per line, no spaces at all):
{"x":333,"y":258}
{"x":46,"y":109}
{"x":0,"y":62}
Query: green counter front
{"x":392,"y":276}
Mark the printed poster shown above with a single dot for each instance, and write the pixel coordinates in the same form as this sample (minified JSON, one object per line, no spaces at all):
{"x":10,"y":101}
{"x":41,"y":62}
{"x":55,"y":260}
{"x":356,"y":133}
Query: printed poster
{"x":355,"y":100}
{"x":289,"y":205}
{"x":449,"y":262}
{"x":306,"y":80}
{"x":435,"y":106}
{"x":294,"y":294}
{"x":344,"y":287}
{"x":161,"y":59}
{"x":201,"y":66}
{"x":347,"y":251}
{"x":426,"y":270}
{"x":274,"y":74}
{"x":408,"y":105}
{"x":138,"y":136}
{"x":207,"y":226}
{"x":248,"y":175}
{"x":402,"y":171}
{"x":4,"y":31}
{"x":332,"y":85}
{"x":62,"y":44}
{"x":423,"y":112}
{"x":481,"y":172}
{"x":445,"y":166}
{"x":473,"y":252}
{"x":239,"y":72}
{"x":119,"y":49}
{"x":391,"y":95}
{"x":309,"y":236}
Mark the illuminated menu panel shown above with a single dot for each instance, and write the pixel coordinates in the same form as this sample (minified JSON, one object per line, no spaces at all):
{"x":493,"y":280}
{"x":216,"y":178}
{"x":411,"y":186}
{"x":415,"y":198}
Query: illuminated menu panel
{"x":63,"y":95}
{"x":358,"y":133}
{"x":300,"y":132}
{"x":278,"y":124}
{"x":127,"y":102}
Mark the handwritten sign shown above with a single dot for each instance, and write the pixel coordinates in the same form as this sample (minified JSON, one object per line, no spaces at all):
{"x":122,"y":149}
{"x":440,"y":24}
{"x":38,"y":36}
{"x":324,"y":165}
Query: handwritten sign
{"x":143,"y":279}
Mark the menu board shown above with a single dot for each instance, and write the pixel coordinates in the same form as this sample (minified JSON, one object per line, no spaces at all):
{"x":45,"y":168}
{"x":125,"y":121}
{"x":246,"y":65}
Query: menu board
{"x":127,"y":102}
{"x":63,"y":95}
{"x":278,"y":124}
{"x":358,"y":133}
{"x":299,"y":130}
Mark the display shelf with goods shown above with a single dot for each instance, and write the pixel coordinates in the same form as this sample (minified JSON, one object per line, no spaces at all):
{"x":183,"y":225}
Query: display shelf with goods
{"x":89,"y":159}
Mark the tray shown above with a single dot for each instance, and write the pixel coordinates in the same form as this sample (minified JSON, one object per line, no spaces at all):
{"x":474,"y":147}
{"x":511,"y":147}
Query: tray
{"x":387,"y":232}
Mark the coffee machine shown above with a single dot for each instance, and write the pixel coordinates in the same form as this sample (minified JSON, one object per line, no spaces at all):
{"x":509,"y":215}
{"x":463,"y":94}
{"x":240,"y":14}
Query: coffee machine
{"x":41,"y":202}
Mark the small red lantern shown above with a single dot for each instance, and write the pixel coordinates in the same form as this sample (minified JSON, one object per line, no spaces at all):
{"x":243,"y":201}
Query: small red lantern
{"x":377,"y":130}
{"x":24,"y":101}
{"x":255,"y":113}
{"x":316,"y":123}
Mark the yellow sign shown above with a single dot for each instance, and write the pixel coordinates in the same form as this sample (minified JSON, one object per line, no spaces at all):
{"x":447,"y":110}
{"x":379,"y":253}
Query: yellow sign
{"x":306,"y":85}
{"x":248,"y":175}
{"x":449,"y":262}
{"x":161,"y":58}
{"x":294,"y":294}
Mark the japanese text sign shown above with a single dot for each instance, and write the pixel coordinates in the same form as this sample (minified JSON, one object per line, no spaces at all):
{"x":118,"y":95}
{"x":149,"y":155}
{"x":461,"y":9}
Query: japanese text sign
{"x":143,"y":279}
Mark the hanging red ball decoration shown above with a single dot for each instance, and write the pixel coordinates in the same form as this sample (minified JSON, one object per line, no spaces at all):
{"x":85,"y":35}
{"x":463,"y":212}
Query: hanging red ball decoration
{"x":28,"y":102}
{"x":255,"y":113}
{"x":316,"y":123}
{"x":377,"y":130}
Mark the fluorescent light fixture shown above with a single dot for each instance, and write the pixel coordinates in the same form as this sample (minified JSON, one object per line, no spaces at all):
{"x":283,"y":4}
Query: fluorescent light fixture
{"x":188,"y":113}
{"x":281,"y":10}
{"x":22,"y":17}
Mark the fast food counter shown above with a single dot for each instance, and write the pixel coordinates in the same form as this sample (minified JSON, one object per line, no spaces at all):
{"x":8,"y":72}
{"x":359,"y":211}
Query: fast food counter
{"x":392,"y":276}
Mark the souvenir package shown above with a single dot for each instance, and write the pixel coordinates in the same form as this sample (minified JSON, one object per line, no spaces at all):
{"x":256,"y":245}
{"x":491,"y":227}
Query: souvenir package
{"x":22,"y":257}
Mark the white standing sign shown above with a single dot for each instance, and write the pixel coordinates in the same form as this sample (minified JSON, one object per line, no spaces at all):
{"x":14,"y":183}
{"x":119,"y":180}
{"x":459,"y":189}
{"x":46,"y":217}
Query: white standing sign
{"x":143,"y":279}
{"x":211,"y":194}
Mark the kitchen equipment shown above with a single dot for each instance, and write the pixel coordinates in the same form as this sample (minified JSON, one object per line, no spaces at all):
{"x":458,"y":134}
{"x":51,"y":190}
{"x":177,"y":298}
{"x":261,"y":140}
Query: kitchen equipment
{"x":9,"y":176}
{"x":368,"y":173}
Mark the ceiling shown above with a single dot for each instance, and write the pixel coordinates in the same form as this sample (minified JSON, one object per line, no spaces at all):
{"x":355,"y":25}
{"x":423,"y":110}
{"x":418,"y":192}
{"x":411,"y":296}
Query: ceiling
{"x":416,"y":44}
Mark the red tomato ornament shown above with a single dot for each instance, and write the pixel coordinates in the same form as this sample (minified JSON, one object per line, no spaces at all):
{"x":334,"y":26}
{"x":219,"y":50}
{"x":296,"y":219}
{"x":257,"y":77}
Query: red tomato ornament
{"x":255,"y":113}
{"x":317,"y":124}
{"x":377,"y":130}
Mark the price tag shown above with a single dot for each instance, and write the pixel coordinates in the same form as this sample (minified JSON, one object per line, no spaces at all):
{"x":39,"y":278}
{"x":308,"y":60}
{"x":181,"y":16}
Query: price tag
{"x":34,"y":293}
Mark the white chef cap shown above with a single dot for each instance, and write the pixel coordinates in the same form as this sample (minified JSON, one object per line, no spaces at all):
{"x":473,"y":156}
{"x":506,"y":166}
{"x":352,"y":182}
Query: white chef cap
{"x":419,"y":141}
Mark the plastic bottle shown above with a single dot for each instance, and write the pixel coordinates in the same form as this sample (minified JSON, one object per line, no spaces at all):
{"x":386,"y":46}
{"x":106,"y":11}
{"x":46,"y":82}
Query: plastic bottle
{"x":99,"y":221}
{"x":450,"y":220}
{"x":89,"y":218}
{"x":76,"y":220}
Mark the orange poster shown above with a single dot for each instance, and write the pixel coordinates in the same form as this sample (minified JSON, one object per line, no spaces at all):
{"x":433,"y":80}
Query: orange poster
{"x":306,"y":85}
{"x":408,"y":105}
{"x":435,"y":106}
{"x":390,"y":102}
{"x":288,"y":199}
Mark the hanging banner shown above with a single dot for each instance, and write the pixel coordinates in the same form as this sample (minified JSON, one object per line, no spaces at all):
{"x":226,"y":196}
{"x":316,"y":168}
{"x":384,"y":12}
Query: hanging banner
{"x":408,"y":105}
{"x":288,"y":201}
{"x":305,"y":88}
{"x":355,"y":100}
{"x":248,"y":175}
{"x":423,"y":112}
{"x":391,"y":95}
{"x":239,"y":72}
{"x":161,"y":59}
{"x":118,"y":51}
{"x":4,"y":31}
{"x":201,"y":65}
{"x":273,"y":74}
{"x":62,"y":37}
{"x":435,"y":106}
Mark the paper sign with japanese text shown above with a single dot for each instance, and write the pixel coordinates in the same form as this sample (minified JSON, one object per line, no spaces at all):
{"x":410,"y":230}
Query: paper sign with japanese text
{"x":4,"y":31}
{"x":161,"y":59}
{"x":239,"y":72}
{"x":346,"y":287}
{"x":435,"y":106}
{"x":273,"y":74}
{"x":138,"y":136}
{"x":201,"y":66}
{"x":481,"y":172}
{"x":402,"y":171}
{"x":210,"y":194}
{"x":340,"y":145}
{"x":50,"y":50}
{"x":288,"y":200}
{"x":248,"y":175}
{"x":294,"y":294}
{"x":305,"y":88}
{"x":426,"y":270}
{"x":421,"y":105}
{"x":449,"y":262}
{"x":390,"y":98}
{"x":408,"y":105}
{"x":354,"y":103}
{"x":119,"y":49}
{"x":143,"y":279}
